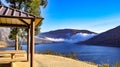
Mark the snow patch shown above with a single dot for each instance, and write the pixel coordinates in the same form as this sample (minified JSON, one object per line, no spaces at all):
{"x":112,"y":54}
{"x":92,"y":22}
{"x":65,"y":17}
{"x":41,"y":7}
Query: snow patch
{"x":55,"y":39}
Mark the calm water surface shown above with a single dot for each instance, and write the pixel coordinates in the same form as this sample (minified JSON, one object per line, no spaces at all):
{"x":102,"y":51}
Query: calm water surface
{"x":96,"y":54}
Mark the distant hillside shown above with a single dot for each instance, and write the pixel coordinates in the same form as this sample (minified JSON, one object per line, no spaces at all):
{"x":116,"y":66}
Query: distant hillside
{"x":64,"y":33}
{"x":109,"y":38}
{"x":4,"y":32}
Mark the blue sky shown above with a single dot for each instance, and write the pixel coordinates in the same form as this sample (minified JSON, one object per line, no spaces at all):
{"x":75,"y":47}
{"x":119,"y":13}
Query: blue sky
{"x":93,"y":15}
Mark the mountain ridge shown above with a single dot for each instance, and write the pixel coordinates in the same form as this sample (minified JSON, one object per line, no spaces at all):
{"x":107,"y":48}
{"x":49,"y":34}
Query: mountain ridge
{"x":63,"y":33}
{"x":108,"y":38}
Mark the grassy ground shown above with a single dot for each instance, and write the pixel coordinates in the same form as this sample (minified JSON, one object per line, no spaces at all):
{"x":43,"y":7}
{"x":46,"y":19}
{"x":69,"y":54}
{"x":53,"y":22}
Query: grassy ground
{"x":3,"y":44}
{"x":41,"y":60}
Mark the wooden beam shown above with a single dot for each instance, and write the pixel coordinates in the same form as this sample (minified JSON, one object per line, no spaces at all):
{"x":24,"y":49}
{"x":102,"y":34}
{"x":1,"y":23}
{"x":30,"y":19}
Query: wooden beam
{"x":12,"y":25}
{"x":28,"y":44}
{"x":32,"y":44}
{"x":24,"y":22}
{"x":17,"y":17}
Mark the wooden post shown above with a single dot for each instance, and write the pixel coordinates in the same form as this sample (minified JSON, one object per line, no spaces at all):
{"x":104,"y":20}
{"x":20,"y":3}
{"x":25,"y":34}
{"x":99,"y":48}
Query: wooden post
{"x":16,"y":42}
{"x":32,"y":44}
{"x":11,"y":64}
{"x":28,"y":44}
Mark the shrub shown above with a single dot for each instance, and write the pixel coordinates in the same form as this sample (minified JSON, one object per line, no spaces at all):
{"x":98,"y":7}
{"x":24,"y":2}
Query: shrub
{"x":117,"y":65}
{"x":105,"y":65}
{"x":71,"y":55}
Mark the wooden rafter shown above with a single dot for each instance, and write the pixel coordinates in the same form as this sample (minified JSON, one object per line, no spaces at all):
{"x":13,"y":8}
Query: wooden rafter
{"x":24,"y":22}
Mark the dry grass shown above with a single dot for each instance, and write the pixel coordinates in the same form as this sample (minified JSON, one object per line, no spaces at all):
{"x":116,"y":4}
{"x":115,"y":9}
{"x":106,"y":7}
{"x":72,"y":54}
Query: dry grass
{"x":53,"y":61}
{"x":3,"y":44}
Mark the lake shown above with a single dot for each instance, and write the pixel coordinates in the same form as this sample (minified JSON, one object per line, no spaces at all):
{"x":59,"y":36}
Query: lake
{"x":96,"y":54}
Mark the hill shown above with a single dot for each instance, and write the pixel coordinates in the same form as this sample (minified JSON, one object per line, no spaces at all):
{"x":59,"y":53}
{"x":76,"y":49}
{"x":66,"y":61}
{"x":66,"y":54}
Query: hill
{"x":4,"y":33}
{"x":108,"y":38}
{"x":65,"y":35}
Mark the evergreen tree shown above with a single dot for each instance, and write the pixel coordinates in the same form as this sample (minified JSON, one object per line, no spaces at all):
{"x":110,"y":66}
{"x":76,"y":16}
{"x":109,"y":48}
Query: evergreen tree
{"x":31,"y":6}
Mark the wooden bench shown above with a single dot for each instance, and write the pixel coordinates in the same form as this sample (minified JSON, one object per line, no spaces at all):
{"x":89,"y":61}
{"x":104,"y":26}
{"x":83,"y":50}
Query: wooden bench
{"x":12,"y":54}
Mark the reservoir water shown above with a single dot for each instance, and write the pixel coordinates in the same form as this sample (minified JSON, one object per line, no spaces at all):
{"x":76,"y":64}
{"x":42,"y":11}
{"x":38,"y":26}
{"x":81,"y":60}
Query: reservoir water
{"x":96,"y":54}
